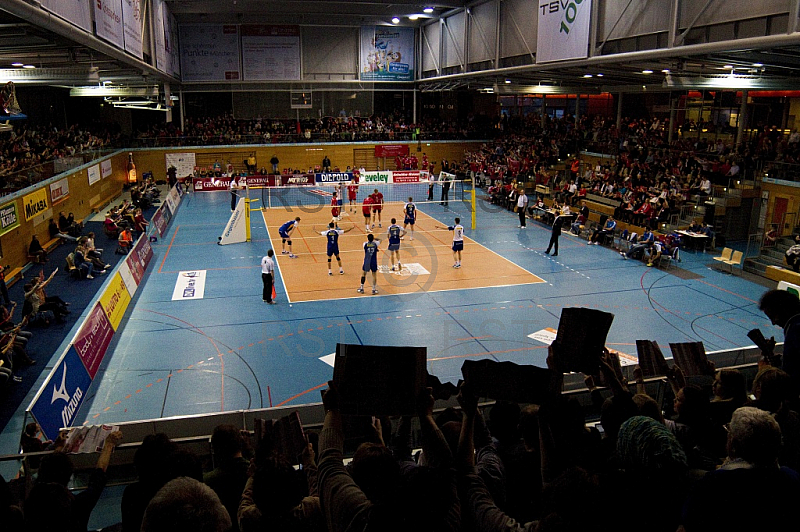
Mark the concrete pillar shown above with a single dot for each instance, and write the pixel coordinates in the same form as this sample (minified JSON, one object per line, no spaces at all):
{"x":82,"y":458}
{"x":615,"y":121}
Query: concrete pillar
{"x":544,"y":110}
{"x":673,"y":112}
{"x":619,"y":110}
{"x":742,"y":119}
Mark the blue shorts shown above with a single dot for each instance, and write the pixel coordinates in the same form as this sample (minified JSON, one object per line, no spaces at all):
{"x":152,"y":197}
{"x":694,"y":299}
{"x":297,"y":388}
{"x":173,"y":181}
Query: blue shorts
{"x":284,"y":234}
{"x":333,"y":250}
{"x":370,"y":266}
{"x":408,"y":221}
{"x":339,"y":202}
{"x":458,"y":245}
{"x":394,"y":247}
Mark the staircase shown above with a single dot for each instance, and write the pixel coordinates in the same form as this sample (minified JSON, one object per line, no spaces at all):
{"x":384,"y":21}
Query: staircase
{"x":769,"y":256}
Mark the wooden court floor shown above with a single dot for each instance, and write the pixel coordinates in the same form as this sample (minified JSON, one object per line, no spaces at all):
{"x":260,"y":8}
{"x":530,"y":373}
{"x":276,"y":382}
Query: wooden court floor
{"x":427,"y":260}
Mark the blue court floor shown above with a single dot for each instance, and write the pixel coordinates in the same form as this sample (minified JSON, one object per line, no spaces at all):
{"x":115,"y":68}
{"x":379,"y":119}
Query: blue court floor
{"x":230,"y":350}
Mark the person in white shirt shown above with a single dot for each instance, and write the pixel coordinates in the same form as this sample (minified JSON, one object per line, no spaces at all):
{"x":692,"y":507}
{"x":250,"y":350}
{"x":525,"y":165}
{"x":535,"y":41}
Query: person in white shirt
{"x":522,"y":204}
{"x":268,"y":276}
{"x":458,"y":240}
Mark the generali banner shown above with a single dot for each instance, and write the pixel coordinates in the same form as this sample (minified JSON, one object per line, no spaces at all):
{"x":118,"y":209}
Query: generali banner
{"x":563,"y":30}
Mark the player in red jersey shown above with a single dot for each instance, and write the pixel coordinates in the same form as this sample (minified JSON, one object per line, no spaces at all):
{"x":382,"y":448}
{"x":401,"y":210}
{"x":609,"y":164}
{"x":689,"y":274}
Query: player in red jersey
{"x":335,"y":206}
{"x":366,"y":209}
{"x":377,"y":207}
{"x":352,"y":194}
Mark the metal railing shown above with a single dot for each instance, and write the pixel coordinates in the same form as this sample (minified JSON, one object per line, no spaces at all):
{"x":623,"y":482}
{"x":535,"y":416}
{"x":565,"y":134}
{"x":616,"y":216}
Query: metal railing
{"x":14,"y":181}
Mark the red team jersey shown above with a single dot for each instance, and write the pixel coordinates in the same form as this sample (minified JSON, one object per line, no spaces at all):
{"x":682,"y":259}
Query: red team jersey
{"x":334,"y":206}
{"x":367,"y":207}
{"x":352,"y":192}
{"x":377,"y":202}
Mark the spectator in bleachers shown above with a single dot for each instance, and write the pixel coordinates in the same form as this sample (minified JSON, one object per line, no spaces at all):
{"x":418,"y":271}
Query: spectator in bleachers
{"x":10,"y":512}
{"x":55,"y":232}
{"x":36,"y":251}
{"x":51,"y":506}
{"x":153,"y":463}
{"x":124,"y":241}
{"x":752,"y":467}
{"x":730,"y":392}
{"x":603,"y":232}
{"x":229,"y":475}
{"x":185,"y":505}
{"x":773,"y":392}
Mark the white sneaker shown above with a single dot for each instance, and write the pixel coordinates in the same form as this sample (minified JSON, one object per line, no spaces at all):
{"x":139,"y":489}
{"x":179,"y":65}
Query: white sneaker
{"x":374,"y":290}
{"x":458,"y":265}
{"x":360,"y":290}
{"x":90,"y":277}
{"x":341,"y":272}
{"x":412,"y":238}
{"x":379,"y":225}
{"x":292,"y":256}
{"x":284,"y":252}
{"x":329,"y":273}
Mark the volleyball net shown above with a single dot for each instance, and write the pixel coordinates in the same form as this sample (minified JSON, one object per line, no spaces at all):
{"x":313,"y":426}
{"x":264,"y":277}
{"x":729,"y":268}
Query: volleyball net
{"x":445,"y":197}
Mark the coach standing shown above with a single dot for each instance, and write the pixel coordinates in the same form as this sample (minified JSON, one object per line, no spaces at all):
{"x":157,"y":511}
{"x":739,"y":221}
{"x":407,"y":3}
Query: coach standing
{"x":268,"y":276}
{"x":522,"y":205}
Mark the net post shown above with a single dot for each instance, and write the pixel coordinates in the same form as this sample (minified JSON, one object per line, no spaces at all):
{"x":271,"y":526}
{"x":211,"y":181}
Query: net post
{"x":247,"y":217}
{"x":472,"y":205}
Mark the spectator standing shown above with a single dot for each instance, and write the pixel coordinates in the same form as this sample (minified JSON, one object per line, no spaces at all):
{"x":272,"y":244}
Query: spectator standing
{"x":274,"y":162}
{"x":229,"y":475}
{"x":555,"y":232}
{"x":783,"y":309}
{"x":326,"y":164}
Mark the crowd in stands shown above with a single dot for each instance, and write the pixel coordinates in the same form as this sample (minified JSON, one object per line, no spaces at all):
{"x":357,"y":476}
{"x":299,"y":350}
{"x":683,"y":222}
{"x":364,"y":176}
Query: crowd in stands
{"x":720,"y":456}
{"x":29,"y":145}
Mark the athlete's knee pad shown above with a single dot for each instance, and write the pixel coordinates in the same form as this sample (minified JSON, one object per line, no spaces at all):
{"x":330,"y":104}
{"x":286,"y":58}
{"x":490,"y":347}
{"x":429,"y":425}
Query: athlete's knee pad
{"x":283,"y":241}
{"x":289,"y":242}
{"x":329,"y":260}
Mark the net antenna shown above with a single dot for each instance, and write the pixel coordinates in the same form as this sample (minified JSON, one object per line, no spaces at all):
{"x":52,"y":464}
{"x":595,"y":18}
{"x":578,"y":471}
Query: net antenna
{"x":8,"y":99}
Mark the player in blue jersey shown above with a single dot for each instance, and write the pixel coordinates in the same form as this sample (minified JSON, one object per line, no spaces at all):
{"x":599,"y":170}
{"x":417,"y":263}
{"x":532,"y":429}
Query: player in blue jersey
{"x":458,"y":241}
{"x":370,"y":263}
{"x":410,"y":211}
{"x":395,"y":233}
{"x":332,"y":234}
{"x":286,"y":236}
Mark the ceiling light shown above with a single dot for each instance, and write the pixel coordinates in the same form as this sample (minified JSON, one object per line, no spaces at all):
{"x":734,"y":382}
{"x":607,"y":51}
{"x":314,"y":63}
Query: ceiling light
{"x":727,"y":66}
{"x":757,"y":65}
{"x":508,"y":81}
{"x":428,"y":10}
{"x":587,"y":75}
{"x":665,"y":71}
{"x":647,"y":71}
{"x":395,"y":20}
{"x":28,"y":66}
{"x":413,"y":17}
{"x":17,"y":64}
{"x":600,"y":75}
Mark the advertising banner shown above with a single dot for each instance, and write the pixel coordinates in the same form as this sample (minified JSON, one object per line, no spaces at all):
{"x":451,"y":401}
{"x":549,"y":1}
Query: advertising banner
{"x":9,"y":218}
{"x":61,"y":395}
{"x":270,"y":52}
{"x":184,"y":163}
{"x":75,"y":11}
{"x":297,"y":179}
{"x":125,"y":272}
{"x":375,"y":177}
{"x":173,"y":200}
{"x":391,"y":150}
{"x":261,"y":181}
{"x":210,"y":52}
{"x":138,"y":259}
{"x":94,"y":174}
{"x":405,"y":176}
{"x":160,"y":34}
{"x":108,"y":21}
{"x":190,"y":285}
{"x":132,"y":25}
{"x":387,"y":53}
{"x":59,"y":191}
{"x":115,"y":300}
{"x":105,"y":168}
{"x":236,"y":229}
{"x":93,"y":339}
{"x":211,"y":184}
{"x":160,"y":221}
{"x":35,"y":203}
{"x":563,"y":30}
{"x":333,"y":177}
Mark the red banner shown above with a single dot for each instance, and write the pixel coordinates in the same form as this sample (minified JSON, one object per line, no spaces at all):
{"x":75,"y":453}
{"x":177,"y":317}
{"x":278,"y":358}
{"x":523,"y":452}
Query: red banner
{"x":210,"y":184}
{"x":297,"y":179}
{"x":405,"y":176}
{"x":391,"y":150}
{"x":160,"y":222}
{"x":93,"y":339}
{"x":140,"y":258}
{"x":261,"y":181}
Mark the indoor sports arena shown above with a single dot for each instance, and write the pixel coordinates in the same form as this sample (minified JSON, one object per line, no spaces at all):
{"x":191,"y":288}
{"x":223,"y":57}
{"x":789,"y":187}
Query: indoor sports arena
{"x":590,"y":195}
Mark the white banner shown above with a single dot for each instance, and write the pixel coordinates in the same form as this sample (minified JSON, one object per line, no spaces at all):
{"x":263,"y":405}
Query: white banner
{"x":132,"y":23}
{"x":209,"y":52}
{"x":184,"y":163}
{"x":159,"y":31}
{"x":174,"y":60}
{"x":190,"y":285}
{"x":108,"y":21}
{"x":105,"y":168}
{"x":270,"y":52}
{"x":77,"y":12}
{"x":563,"y":30}
{"x":172,"y":200}
{"x":94,"y":174}
{"x":235,"y":230}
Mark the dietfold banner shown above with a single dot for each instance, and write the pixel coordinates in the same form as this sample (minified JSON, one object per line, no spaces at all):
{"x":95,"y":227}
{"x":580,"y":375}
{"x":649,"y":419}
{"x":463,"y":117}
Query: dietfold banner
{"x":387,"y":53}
{"x":563,"y":30}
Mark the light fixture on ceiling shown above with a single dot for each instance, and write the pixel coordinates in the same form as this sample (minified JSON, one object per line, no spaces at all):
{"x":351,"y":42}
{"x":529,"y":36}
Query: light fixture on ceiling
{"x":758,"y":65}
{"x":647,"y":71}
{"x":587,"y":76}
{"x":17,"y":64}
{"x":428,"y":10}
{"x":395,"y":20}
{"x":508,"y":81}
{"x":727,"y":66}
{"x":599,"y":74}
{"x":28,"y":66}
{"x":665,"y":71}
{"x":413,"y":17}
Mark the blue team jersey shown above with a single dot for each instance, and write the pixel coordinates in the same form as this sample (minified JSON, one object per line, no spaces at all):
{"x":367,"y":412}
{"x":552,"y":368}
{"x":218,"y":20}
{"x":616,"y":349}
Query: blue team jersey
{"x":394,"y":234}
{"x":370,"y":256}
{"x":288,"y":225}
{"x":333,"y":236}
{"x":411,"y":211}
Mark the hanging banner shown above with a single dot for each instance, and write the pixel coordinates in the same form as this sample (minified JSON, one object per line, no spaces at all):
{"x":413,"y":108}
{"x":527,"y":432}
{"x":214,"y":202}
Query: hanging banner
{"x":9,"y":218}
{"x":105,"y":168}
{"x":132,"y":25}
{"x":387,"y":53}
{"x":210,"y":52}
{"x":563,"y":30}
{"x":391,"y":150}
{"x":108,"y":21}
{"x":75,"y":11}
{"x":270,"y":52}
{"x":59,"y":191}
{"x":94,"y":174}
{"x":184,"y":163}
{"x":160,"y":35}
{"x":35,"y":203}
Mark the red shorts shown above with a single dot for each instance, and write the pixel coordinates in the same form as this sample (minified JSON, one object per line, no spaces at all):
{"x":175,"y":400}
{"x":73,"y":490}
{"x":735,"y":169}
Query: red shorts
{"x":352,"y":196}
{"x":335,"y":212}
{"x":377,"y":208}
